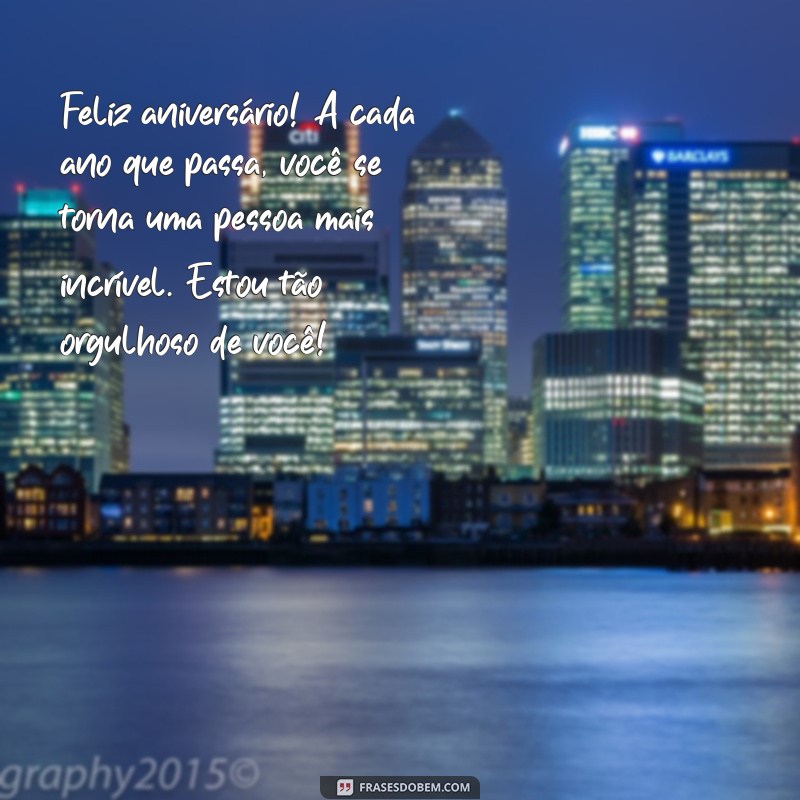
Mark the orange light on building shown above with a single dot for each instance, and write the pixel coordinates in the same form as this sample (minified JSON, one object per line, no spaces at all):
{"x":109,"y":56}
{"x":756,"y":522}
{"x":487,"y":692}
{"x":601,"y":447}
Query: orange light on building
{"x":262,"y":523}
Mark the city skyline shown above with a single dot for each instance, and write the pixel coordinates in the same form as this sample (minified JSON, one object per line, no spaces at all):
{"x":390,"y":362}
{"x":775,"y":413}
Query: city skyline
{"x":628,"y":202}
{"x":495,"y":493}
{"x":622,"y":296}
{"x":172,"y":404}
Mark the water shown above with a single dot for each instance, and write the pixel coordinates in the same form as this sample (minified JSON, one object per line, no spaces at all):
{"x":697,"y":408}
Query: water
{"x":597,"y":685}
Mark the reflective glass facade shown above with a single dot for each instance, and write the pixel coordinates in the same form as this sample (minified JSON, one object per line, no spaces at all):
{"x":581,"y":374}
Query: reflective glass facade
{"x":590,"y":155}
{"x":617,"y":404}
{"x":55,"y":409}
{"x":715,"y":251}
{"x":454,"y":256}
{"x":410,"y":400}
{"x":276,"y":413}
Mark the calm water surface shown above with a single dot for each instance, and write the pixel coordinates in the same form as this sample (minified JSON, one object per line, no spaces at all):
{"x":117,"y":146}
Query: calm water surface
{"x":593,"y":685}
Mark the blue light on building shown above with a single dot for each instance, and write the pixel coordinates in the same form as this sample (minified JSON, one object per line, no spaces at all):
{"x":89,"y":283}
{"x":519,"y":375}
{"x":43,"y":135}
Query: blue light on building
{"x":691,"y":157}
{"x":44,"y":202}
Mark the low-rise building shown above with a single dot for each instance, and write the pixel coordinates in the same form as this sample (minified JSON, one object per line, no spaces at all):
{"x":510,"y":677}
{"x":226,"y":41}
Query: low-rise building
{"x":262,"y":516}
{"x":357,"y":500}
{"x":460,"y":506}
{"x":289,"y":505}
{"x":515,"y":506}
{"x":724,"y":501}
{"x":595,"y":509}
{"x":48,"y":505}
{"x":747,"y":500}
{"x":176,"y":507}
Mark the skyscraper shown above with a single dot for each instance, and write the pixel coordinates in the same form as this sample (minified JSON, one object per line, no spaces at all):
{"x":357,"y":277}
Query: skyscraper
{"x":306,"y":195}
{"x":410,"y":400}
{"x":276,"y":413}
{"x":590,"y":157}
{"x":55,"y":409}
{"x":616,"y":404}
{"x":714,"y":250}
{"x":454,"y":256}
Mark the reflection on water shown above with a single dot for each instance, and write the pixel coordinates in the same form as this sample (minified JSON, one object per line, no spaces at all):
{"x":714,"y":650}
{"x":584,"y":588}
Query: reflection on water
{"x":597,"y":685}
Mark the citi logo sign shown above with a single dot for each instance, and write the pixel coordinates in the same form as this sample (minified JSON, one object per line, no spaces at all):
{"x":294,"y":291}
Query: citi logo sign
{"x":693,"y":156}
{"x":304,"y":136}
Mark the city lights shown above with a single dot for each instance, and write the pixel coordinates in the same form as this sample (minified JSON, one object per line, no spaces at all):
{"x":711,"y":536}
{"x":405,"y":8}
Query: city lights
{"x":454,"y":257}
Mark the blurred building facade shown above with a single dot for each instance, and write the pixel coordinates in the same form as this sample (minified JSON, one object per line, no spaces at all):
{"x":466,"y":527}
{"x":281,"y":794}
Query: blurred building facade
{"x":305,"y":195}
{"x":403,"y":400}
{"x":615,"y":404}
{"x":46,"y":505}
{"x":461,"y":507}
{"x":592,"y":244}
{"x":714,"y":250}
{"x":454,"y":222}
{"x":196,"y":507}
{"x":520,"y":438}
{"x":373,"y":499}
{"x":55,"y":409}
{"x":276,"y":412}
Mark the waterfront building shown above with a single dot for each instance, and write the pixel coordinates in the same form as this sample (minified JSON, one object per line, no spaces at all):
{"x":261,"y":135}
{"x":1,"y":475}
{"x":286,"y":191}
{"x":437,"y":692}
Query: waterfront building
{"x":289,"y":510}
{"x":461,"y":506}
{"x":595,"y":509}
{"x":375,"y":499}
{"x":723,"y":501}
{"x":48,"y":505}
{"x":192,"y":507}
{"x":747,"y":500}
{"x":515,"y":506}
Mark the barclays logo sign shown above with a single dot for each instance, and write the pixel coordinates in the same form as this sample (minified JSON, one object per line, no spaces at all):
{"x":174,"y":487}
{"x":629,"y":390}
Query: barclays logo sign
{"x":690,"y":156}
{"x":658,"y":156}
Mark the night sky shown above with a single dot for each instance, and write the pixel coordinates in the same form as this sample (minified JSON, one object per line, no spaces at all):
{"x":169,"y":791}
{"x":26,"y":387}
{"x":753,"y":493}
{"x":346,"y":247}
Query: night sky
{"x":521,"y":72}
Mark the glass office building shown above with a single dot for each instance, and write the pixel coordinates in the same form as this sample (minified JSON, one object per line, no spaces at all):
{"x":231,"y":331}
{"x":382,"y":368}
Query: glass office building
{"x":590,"y":156}
{"x":307,"y":195}
{"x":276,"y":412}
{"x":55,"y":409}
{"x":454,"y":256}
{"x":410,"y":400}
{"x":715,"y":251}
{"x":615,"y":405}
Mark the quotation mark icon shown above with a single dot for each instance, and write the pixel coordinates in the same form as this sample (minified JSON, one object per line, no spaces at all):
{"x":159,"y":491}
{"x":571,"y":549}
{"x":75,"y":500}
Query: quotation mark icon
{"x":344,"y":787}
